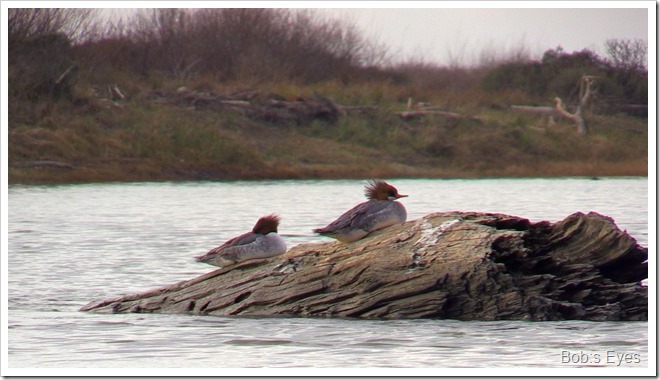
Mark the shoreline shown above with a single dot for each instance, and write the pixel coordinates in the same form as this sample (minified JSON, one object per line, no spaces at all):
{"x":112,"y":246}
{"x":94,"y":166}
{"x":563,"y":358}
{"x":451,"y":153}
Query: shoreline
{"x":87,"y":175}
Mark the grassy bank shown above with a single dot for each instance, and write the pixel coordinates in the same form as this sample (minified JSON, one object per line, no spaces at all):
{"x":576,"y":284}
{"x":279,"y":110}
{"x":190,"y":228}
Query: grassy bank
{"x":96,"y":101}
{"x":139,"y":139}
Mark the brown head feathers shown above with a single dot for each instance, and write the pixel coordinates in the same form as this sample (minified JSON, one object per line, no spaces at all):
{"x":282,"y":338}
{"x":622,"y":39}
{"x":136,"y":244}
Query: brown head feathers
{"x":381,"y":190}
{"x":267,"y":224}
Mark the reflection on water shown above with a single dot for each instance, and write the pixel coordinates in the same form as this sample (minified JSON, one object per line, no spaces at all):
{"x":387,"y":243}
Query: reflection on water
{"x":69,"y":245}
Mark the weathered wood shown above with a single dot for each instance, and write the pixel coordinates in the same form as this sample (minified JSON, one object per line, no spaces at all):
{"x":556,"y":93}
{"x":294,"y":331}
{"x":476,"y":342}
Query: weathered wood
{"x":114,"y":93}
{"x":586,"y":89}
{"x":65,"y":75}
{"x":240,"y":103}
{"x":634,"y":109}
{"x":459,"y":265}
{"x":540,"y":110}
{"x":421,"y":109}
{"x":407,"y":115}
{"x":43,"y":164}
{"x":302,"y":110}
{"x":586,"y":84}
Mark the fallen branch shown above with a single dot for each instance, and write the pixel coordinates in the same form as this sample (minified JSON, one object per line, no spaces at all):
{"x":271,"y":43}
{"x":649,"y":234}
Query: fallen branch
{"x":43,"y":164}
{"x":539,"y":110}
{"x":239,"y":103}
{"x":586,"y":84}
{"x":65,"y":75}
{"x":115,"y":93}
{"x":422,"y":109}
{"x":407,"y":115}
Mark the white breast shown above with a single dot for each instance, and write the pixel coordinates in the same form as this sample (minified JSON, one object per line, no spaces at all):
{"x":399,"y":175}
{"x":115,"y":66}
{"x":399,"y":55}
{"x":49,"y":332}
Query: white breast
{"x":264,"y":246}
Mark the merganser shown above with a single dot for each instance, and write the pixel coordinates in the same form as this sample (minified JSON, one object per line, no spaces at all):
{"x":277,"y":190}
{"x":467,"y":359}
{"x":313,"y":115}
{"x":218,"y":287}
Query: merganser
{"x":380,"y":211}
{"x":262,"y":242}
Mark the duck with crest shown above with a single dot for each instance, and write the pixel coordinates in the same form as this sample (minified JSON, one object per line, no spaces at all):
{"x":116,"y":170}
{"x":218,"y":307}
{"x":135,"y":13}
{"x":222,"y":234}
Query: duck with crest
{"x":260,"y":243}
{"x":380,"y":211}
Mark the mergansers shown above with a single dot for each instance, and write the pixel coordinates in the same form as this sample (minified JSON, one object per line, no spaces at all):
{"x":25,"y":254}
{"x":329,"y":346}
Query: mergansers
{"x":380,"y":211}
{"x":262,"y":242}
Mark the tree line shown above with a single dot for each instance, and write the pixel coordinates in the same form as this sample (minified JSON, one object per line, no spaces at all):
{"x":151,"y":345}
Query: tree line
{"x":277,"y":45}
{"x":619,"y":79}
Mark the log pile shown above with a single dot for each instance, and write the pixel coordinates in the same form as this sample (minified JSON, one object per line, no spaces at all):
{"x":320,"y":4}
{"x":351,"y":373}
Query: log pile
{"x":458,"y":265}
{"x":253,"y":104}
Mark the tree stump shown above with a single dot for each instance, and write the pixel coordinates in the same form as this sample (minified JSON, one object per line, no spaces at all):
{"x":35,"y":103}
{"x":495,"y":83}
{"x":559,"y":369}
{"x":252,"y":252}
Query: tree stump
{"x":458,"y":265}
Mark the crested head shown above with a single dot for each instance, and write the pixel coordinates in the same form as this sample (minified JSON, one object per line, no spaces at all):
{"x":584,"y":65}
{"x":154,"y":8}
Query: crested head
{"x":267,"y":224}
{"x":382,"y":191}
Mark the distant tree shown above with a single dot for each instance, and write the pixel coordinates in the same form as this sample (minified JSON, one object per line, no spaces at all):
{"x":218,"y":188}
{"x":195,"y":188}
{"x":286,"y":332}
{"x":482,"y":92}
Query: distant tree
{"x":524,"y":76}
{"x":41,"y":63}
{"x":27,"y":23}
{"x":563,"y":71}
{"x":627,"y":54}
{"x":251,"y":43}
{"x":41,"y":67}
{"x":40,"y":50}
{"x":166,"y":39}
{"x":628,"y":68}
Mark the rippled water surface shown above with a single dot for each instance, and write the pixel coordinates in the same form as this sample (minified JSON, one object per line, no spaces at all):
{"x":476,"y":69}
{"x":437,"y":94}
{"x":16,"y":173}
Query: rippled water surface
{"x":69,"y":245}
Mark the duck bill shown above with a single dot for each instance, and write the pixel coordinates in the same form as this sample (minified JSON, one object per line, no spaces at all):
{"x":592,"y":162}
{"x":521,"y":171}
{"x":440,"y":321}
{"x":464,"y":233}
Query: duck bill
{"x":401,"y":196}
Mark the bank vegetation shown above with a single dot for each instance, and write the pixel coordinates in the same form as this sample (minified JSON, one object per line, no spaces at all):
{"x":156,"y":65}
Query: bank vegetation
{"x":180,"y":94}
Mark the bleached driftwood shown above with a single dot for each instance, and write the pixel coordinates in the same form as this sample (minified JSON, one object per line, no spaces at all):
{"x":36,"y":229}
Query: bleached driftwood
{"x":407,"y":115}
{"x":65,"y":75}
{"x":586,"y":88}
{"x":559,"y":110}
{"x":115,"y":93}
{"x":422,"y":109}
{"x":543,"y":111}
{"x":458,"y":265}
{"x":540,"y":110}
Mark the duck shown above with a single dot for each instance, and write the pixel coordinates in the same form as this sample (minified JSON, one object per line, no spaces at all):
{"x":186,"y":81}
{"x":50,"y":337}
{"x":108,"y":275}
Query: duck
{"x":260,"y":243}
{"x":380,"y":211}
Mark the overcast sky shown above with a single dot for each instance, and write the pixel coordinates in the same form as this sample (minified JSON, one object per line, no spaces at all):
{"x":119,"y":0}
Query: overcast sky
{"x":461,"y":32}
{"x":448,"y":36}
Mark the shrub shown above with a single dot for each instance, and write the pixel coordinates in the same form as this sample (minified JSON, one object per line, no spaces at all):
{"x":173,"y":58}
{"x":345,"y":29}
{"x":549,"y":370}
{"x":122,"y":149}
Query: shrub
{"x":37,"y":68}
{"x":237,"y":44}
{"x":558,"y":74}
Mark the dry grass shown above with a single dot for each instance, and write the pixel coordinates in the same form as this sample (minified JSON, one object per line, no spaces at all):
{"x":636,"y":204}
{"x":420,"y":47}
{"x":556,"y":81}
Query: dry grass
{"x":150,"y":142}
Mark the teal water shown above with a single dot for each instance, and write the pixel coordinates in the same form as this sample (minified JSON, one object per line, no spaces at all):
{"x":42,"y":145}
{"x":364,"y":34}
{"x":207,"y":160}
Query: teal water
{"x":69,"y":245}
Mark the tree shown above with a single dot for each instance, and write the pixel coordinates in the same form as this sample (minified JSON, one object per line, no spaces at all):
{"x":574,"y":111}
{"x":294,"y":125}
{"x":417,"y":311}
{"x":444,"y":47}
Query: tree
{"x":28,"y":23}
{"x":627,"y":54}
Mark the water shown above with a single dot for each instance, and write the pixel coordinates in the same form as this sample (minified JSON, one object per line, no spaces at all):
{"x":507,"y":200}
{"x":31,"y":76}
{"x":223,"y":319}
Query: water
{"x":69,"y":245}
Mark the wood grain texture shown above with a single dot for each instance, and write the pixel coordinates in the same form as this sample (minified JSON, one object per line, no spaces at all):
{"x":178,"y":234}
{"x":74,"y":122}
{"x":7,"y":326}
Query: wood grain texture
{"x":458,"y":265}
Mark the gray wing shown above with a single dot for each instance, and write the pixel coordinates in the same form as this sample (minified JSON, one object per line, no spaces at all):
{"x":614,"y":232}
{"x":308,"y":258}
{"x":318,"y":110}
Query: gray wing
{"x":356,"y":216}
{"x":246,"y":238}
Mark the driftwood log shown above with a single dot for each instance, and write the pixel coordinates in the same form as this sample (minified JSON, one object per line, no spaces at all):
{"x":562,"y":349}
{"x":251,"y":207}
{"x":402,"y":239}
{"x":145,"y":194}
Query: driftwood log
{"x":43,"y":164}
{"x":539,"y":110}
{"x":458,"y":265}
{"x":421,"y":109}
{"x":559,"y":110}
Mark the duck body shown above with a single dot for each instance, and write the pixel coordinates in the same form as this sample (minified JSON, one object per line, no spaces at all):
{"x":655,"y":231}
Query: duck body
{"x":260,"y":243}
{"x":363,"y":219}
{"x":380,"y":211}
